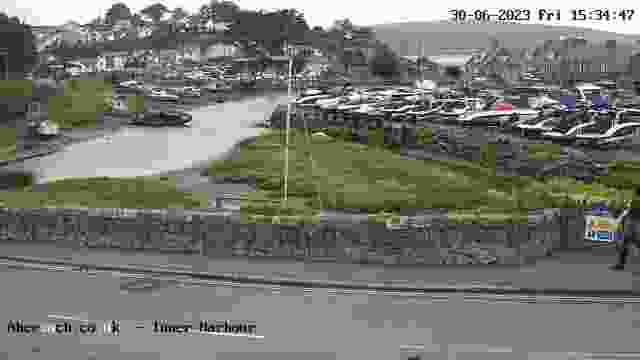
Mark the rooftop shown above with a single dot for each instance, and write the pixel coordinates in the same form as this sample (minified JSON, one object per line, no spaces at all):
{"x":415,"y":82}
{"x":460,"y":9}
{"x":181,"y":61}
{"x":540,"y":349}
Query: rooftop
{"x":450,"y":60}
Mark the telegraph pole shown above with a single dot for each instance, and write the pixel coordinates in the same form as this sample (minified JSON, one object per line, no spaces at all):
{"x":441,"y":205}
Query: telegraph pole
{"x":290,"y":53}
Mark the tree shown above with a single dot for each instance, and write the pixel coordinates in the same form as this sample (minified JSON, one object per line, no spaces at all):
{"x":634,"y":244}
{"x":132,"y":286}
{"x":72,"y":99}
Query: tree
{"x":155,"y":12}
{"x":119,"y":11}
{"x":346,"y":59}
{"x":19,"y":42}
{"x":453,"y":72}
{"x":299,"y":63}
{"x":343,"y":25}
{"x":194,"y":22}
{"x":224,"y":10}
{"x":384,"y":63}
{"x":179,"y":14}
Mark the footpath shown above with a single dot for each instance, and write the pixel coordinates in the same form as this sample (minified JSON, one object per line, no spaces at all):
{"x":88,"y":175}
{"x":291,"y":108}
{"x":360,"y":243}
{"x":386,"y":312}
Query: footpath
{"x":570,"y":273}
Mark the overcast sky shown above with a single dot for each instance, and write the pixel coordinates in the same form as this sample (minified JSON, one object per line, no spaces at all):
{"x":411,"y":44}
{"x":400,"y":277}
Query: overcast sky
{"x":324,"y":12}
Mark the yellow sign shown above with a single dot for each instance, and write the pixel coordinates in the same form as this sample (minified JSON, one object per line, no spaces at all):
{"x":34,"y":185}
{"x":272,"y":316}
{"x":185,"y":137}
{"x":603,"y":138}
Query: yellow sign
{"x":603,"y":224}
{"x":600,"y":228}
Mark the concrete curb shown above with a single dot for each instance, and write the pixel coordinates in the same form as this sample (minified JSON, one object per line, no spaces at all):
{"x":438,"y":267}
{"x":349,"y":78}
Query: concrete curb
{"x":477,"y":289}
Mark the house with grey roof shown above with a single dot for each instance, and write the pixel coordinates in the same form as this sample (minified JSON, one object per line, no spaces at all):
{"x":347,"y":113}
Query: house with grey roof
{"x":588,"y":63}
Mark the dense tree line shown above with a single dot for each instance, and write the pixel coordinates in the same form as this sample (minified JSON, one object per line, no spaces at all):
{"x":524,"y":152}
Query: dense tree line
{"x":18,"y":41}
{"x":258,"y":31}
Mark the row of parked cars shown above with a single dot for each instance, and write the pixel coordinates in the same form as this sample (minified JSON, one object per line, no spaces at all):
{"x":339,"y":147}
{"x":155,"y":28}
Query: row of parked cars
{"x":584,"y":123}
{"x":172,"y":94}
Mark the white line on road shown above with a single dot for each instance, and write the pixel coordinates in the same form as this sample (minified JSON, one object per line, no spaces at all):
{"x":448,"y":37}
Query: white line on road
{"x":251,"y":336}
{"x":66,"y":317}
{"x":610,"y":355}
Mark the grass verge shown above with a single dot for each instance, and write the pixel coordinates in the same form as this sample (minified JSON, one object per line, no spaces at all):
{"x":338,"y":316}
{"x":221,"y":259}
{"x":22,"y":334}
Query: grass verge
{"x":347,"y":175}
{"x":7,"y":143}
{"x":102,"y":192}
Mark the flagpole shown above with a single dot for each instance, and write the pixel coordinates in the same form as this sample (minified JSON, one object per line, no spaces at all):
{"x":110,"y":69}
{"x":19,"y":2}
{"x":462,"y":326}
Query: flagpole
{"x":287,"y":125}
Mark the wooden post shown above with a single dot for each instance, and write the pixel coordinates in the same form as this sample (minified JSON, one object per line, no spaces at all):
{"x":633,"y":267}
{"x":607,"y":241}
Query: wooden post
{"x":197,"y":240}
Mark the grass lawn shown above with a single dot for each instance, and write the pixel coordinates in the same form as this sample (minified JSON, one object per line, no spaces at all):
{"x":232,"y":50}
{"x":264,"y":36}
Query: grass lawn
{"x":7,"y":143}
{"x":137,"y":193}
{"x":376,"y":180}
{"x":81,"y":104}
{"x":543,"y":151}
{"x":344,"y":175}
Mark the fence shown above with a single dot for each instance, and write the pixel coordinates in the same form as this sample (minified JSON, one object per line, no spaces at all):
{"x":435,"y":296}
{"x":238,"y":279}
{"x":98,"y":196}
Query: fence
{"x":418,"y":240}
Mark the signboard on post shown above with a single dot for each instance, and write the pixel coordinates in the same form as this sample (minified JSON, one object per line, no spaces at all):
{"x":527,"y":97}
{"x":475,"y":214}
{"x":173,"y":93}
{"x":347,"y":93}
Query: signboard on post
{"x":601,"y":225}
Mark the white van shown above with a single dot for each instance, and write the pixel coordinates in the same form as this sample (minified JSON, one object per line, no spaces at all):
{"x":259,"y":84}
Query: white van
{"x":585,"y":92}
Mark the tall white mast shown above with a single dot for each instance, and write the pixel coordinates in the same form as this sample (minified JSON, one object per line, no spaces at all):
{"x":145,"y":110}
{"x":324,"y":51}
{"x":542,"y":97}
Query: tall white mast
{"x":288,"y":122}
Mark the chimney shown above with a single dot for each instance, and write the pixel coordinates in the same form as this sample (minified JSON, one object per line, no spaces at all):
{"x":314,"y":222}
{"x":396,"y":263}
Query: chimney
{"x":611,"y":48}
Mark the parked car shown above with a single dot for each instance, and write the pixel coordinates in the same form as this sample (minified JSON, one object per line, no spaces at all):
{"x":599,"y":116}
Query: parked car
{"x":163,"y":95}
{"x":44,"y":128}
{"x":162,"y":118}
{"x":215,"y":86}
{"x":131,"y":85}
{"x":614,"y":129}
{"x":190,"y":91}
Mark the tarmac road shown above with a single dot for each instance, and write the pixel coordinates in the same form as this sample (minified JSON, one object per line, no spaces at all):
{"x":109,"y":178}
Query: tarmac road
{"x":299,"y":323}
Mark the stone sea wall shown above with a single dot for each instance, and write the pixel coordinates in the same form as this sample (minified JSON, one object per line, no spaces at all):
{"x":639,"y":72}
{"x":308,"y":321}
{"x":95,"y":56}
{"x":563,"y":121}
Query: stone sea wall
{"x":417,"y":240}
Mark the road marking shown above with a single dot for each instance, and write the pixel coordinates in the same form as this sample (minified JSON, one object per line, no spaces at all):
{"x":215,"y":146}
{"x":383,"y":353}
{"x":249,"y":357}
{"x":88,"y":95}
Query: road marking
{"x":65,"y":317}
{"x":610,"y":355}
{"x":251,"y":336}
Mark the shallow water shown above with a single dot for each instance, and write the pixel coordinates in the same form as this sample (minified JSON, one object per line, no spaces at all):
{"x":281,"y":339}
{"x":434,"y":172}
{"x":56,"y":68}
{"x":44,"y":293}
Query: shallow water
{"x":140,"y":151}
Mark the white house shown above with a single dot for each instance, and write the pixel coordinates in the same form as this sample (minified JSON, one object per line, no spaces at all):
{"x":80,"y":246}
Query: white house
{"x":113,"y":60}
{"x":144,"y":31}
{"x":122,"y":24}
{"x":220,"y":49}
{"x":191,"y":51}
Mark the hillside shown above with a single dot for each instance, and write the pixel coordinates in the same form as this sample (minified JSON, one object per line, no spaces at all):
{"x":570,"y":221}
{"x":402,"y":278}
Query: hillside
{"x":444,"y":34}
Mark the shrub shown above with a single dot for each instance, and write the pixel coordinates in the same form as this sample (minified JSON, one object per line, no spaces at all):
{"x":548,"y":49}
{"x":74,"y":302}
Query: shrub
{"x":424,"y":136}
{"x":488,"y":156}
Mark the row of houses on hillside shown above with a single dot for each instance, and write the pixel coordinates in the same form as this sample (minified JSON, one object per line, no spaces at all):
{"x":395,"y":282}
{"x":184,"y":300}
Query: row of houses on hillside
{"x":190,"y":48}
{"x":564,"y":61}
{"x":138,"y":26}
{"x":589,"y":62}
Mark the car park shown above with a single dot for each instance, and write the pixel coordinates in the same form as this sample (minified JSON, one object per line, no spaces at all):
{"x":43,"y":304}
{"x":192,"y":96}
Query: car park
{"x":163,"y":95}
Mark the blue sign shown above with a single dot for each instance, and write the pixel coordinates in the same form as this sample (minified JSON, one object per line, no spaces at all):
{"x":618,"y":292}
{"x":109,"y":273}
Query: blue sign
{"x":601,"y":225}
{"x":600,"y":103}
{"x":568,"y":103}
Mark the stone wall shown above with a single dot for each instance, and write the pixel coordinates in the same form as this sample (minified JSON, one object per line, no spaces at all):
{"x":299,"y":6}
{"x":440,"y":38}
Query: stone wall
{"x":417,"y":239}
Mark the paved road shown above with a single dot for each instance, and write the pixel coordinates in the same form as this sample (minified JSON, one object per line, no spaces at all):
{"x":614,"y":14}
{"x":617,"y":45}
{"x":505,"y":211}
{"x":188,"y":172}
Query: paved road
{"x":301,"y":324}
